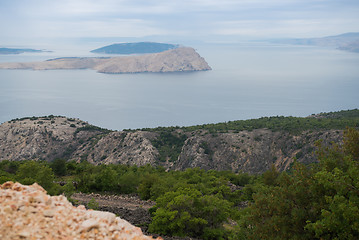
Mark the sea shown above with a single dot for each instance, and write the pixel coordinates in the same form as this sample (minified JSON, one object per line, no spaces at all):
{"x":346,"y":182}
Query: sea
{"x":248,"y":80}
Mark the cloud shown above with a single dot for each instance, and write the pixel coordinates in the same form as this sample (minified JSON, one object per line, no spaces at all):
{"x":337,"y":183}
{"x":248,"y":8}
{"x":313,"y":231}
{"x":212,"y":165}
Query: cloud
{"x":188,"y":18}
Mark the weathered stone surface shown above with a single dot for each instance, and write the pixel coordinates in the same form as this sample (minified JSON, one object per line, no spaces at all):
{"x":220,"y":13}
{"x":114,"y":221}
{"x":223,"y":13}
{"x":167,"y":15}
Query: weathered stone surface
{"x":175,"y":60}
{"x":23,"y":218}
{"x":41,"y":138}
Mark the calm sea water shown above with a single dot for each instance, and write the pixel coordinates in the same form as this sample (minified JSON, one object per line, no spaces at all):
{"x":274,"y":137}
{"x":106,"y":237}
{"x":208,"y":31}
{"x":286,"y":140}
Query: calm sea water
{"x":248,"y":80}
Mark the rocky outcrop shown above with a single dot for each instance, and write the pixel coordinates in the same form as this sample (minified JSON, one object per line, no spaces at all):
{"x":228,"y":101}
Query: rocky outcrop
{"x":48,"y":138}
{"x":42,"y":137}
{"x":253,"y":152}
{"x":27,"y":212}
{"x":132,"y":148}
{"x":174,"y":60}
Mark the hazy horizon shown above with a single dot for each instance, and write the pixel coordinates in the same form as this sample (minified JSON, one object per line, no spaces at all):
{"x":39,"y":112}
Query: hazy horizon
{"x":46,"y":24}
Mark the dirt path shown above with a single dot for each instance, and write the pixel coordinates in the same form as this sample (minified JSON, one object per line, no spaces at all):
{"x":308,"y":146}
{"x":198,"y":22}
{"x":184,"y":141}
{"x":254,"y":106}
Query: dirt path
{"x":124,"y":201}
{"x":130,"y":208}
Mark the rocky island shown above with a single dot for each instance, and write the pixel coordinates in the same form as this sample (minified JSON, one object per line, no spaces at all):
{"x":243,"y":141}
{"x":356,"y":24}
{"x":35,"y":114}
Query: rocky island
{"x":174,"y":60}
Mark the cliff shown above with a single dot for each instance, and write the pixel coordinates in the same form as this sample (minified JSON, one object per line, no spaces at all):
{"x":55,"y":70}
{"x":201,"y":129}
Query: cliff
{"x":253,"y":150}
{"x":175,"y":60}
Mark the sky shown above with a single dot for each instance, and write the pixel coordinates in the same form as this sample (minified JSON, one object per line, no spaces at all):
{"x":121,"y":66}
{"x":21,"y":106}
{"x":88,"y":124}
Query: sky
{"x":37,"y":21}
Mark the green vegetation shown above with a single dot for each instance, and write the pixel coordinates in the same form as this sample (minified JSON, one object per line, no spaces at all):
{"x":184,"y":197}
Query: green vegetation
{"x":198,"y":202}
{"x":50,"y":117}
{"x":319,"y":201}
{"x":89,"y":127}
{"x":135,"y":48}
{"x":92,"y":204}
{"x":310,"y":202}
{"x":295,"y":125}
{"x":169,"y":145}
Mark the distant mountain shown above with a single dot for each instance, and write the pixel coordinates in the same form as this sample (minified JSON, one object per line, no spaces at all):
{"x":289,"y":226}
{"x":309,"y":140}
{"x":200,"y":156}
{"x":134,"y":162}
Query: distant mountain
{"x":352,"y":46}
{"x":346,"y":41}
{"x":135,"y":48}
{"x":17,"y":50}
{"x":175,"y":60}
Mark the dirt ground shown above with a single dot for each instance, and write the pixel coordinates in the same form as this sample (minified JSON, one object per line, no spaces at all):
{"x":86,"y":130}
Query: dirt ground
{"x":128,"y":207}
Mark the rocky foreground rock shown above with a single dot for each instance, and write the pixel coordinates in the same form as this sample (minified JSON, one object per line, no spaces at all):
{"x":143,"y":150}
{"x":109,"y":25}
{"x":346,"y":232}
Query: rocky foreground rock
{"x":27,"y":212}
{"x":174,"y":60}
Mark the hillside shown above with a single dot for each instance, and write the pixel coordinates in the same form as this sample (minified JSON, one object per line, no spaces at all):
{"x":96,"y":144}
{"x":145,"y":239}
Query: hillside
{"x":249,"y":146}
{"x":135,"y":48}
{"x":175,"y":60}
{"x":346,"y":41}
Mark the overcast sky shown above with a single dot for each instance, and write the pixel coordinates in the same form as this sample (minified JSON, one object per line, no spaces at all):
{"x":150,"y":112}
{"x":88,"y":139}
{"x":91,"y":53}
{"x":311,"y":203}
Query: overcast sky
{"x":22,"y":21}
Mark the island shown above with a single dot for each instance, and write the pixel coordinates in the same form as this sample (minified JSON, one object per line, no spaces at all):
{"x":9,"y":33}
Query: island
{"x":135,"y":48}
{"x":19,"y":50}
{"x":182,"y":59}
{"x":346,"y":41}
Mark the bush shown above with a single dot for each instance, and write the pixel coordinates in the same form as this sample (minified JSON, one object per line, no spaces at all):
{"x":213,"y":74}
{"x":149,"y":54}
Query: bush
{"x":58,"y":166}
{"x":187,"y":212}
{"x":31,"y":171}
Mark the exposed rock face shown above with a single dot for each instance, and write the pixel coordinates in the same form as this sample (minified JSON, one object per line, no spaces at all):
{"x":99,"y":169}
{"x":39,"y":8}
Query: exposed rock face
{"x":48,"y":138}
{"x":174,"y":60}
{"x":133,"y":148}
{"x":41,"y":138}
{"x":59,"y":137}
{"x":251,"y":152}
{"x":27,"y":212}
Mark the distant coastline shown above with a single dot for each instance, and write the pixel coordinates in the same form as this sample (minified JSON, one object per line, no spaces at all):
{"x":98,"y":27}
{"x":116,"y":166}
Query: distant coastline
{"x":8,"y":51}
{"x":347,"y":41}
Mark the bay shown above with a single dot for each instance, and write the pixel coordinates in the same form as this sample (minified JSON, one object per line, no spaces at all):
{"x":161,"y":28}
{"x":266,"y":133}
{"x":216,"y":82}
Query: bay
{"x":248,"y":80}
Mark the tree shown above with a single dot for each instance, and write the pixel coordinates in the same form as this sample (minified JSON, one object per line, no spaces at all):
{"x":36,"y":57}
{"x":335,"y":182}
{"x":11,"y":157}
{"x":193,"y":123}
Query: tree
{"x":59,"y":167}
{"x":282,"y":211}
{"x":187,"y":212}
{"x":339,"y":219}
{"x":31,"y":171}
{"x":351,"y":143}
{"x":106,"y":179}
{"x":311,"y":202}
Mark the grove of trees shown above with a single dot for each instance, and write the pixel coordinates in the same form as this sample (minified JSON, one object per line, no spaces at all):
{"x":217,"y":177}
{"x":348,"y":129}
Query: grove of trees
{"x":318,"y":201}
